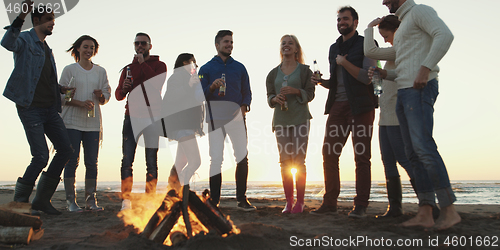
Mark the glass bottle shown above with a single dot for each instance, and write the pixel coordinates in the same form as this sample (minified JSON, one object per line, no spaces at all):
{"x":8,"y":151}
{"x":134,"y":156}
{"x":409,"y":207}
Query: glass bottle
{"x":222,"y":88}
{"x":377,"y":82}
{"x":67,"y":96}
{"x":284,"y":106}
{"x":317,"y":73}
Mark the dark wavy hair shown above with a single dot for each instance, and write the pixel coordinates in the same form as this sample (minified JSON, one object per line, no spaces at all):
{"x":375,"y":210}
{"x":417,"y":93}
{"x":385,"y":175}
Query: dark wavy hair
{"x":78,"y":43}
{"x":181,"y":59}
{"x":354,"y":14}
{"x":38,"y":12}
{"x":390,"y":23}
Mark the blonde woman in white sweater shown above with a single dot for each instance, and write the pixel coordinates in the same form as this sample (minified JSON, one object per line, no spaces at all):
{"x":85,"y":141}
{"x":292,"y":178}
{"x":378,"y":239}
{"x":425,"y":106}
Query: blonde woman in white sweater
{"x":82,"y":117}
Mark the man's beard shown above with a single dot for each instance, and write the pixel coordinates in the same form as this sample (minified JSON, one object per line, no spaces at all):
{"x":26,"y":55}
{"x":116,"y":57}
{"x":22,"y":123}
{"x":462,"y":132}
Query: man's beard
{"x":394,"y":7}
{"x":144,"y":54}
{"x":225,"y":54}
{"x":346,"y":31}
{"x":47,"y":32}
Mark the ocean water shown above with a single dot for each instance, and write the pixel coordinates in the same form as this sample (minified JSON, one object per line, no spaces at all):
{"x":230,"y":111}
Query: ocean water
{"x":467,"y":192}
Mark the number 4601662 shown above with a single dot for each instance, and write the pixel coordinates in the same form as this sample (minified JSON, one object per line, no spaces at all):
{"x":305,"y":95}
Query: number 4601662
{"x":17,"y":8}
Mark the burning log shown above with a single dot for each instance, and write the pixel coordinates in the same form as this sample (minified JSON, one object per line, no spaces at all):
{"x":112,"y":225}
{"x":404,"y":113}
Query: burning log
{"x":185,"y":213}
{"x":13,"y":219}
{"x":207,"y":216}
{"x":165,"y":218}
{"x":163,"y":230}
{"x":160,"y":213}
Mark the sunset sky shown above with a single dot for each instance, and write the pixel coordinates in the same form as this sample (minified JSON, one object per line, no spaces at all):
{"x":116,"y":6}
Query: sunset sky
{"x":467,"y":112}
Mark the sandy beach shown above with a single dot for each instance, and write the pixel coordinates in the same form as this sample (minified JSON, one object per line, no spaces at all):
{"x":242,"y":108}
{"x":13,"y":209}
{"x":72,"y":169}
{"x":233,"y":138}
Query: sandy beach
{"x":268,"y":228}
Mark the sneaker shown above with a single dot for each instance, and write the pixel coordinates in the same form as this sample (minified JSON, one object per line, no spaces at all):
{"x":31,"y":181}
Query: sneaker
{"x":126,"y":204}
{"x":324,"y":209}
{"x":358,"y":211}
{"x":246,"y":206}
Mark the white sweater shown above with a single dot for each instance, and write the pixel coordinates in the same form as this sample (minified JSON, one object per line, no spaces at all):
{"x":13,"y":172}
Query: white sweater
{"x":85,"y":83}
{"x":421,"y":40}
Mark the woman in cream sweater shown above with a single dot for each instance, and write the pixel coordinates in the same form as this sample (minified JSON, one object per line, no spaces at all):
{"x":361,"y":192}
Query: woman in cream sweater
{"x":390,"y":138}
{"x":82,"y":117}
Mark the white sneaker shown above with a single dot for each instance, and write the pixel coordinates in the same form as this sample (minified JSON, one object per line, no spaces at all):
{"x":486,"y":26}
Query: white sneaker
{"x":126,"y":204}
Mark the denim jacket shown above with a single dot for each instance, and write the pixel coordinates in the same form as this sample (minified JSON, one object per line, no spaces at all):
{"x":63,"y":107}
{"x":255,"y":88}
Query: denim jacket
{"x":29,"y":58}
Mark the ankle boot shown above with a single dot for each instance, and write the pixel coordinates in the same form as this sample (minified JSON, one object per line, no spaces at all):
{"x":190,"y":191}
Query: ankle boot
{"x":90,"y":195}
{"x":287,"y":178}
{"x":69,"y":187}
{"x":395,"y":196}
{"x":435,"y":209}
{"x":300,"y":179}
{"x":23,"y":190}
{"x":215,"y":188}
{"x":151,"y":184}
{"x":47,"y":185}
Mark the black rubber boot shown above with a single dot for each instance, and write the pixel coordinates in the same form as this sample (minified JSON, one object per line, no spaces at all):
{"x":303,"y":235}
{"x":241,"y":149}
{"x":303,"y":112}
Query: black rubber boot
{"x":215,"y":188}
{"x":241,"y":176}
{"x":395,"y":196}
{"x":47,"y":185}
{"x":23,"y":190}
{"x":435,"y":209}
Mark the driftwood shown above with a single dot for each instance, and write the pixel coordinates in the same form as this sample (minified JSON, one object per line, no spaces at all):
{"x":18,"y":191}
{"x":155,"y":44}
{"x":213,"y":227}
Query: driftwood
{"x":163,"y":230}
{"x":18,"y":207}
{"x":16,"y":235}
{"x":13,"y":219}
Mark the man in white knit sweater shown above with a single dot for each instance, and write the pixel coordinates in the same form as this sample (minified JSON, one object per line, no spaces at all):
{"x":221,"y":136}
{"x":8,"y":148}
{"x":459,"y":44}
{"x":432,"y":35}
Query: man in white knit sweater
{"x":419,"y":44}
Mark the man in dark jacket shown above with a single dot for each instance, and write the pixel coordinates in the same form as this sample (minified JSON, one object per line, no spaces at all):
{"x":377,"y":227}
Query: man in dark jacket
{"x":351,"y":109}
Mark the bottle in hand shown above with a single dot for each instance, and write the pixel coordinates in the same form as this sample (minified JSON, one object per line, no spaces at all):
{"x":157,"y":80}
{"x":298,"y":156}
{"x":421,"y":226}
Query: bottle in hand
{"x":67,"y":96}
{"x":377,"y":83}
{"x":222,"y":88}
{"x":284,"y":106}
{"x":317,"y":73}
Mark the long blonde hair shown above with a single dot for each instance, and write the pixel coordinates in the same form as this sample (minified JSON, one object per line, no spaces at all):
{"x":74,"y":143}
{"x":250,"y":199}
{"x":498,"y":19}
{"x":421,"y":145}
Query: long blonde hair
{"x":299,"y":56}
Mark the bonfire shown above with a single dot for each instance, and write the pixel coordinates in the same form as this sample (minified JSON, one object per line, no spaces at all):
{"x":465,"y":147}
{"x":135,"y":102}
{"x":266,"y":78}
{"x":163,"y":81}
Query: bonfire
{"x":177,"y":217}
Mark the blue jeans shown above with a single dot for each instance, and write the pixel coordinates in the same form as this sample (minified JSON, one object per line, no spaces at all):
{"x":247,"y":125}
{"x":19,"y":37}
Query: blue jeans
{"x":90,"y":140}
{"x":415,"y":111}
{"x":129,"y":146}
{"x":38,"y":123}
{"x":392,"y":151}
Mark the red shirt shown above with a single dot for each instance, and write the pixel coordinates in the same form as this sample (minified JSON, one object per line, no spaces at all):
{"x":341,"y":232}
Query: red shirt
{"x":141,"y":73}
